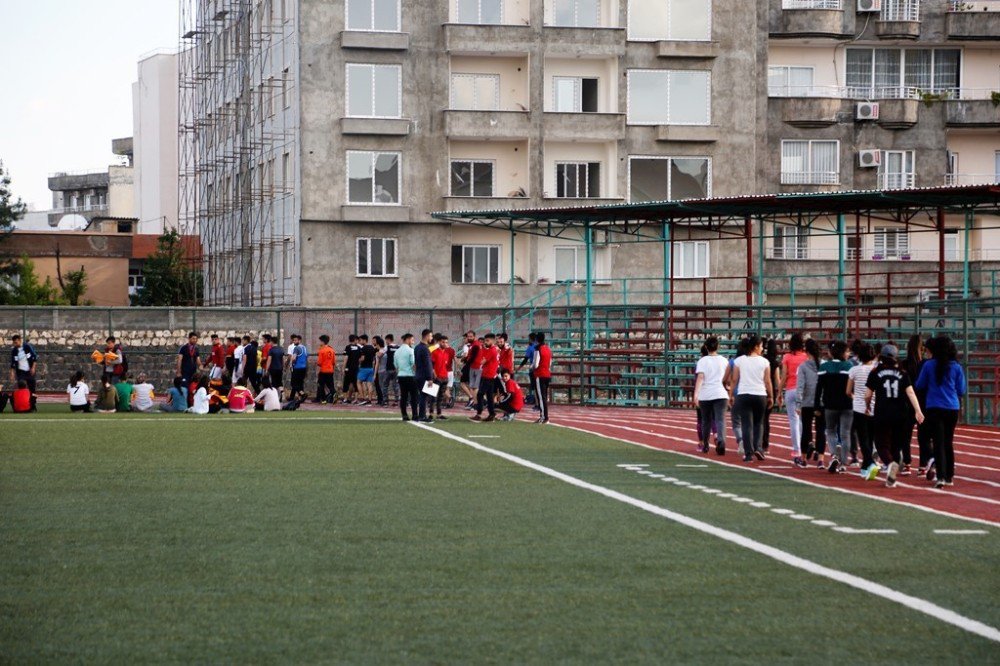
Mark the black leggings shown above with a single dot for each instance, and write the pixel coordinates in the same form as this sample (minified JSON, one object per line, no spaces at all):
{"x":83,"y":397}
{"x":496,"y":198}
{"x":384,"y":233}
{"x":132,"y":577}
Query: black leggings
{"x":812,"y":415}
{"x":942,"y":432}
{"x":542,"y":396}
{"x":861,"y":429}
{"x":408,"y":395}
{"x":891,"y":436}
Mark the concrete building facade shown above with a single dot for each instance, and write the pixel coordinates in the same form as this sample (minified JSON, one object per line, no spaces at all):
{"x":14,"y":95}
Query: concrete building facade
{"x":154,"y":127}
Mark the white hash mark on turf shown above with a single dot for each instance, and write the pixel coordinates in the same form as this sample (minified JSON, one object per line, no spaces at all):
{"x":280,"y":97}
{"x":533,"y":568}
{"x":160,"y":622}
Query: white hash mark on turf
{"x":852,"y":530}
{"x":961,"y":532}
{"x":864,"y":585}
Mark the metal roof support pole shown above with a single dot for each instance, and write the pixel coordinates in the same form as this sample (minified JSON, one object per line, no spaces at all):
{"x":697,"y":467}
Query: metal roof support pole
{"x":857,"y":273}
{"x":668,"y":284}
{"x":841,"y":264}
{"x":748,"y":232}
{"x":940,"y":230}
{"x":589,"y":240}
{"x":760,"y":277}
{"x":969,"y":221}
{"x":513,"y":296}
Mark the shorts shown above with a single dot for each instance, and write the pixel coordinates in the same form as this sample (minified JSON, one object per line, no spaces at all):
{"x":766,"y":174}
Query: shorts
{"x":475,"y":376}
{"x":451,"y":379}
{"x":350,"y":380}
{"x":464,"y":376}
{"x":215,"y":372}
{"x":366,"y":375}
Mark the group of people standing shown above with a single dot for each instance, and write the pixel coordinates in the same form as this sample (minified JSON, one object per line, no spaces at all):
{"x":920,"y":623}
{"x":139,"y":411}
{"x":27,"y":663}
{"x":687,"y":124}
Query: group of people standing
{"x":840,"y":402}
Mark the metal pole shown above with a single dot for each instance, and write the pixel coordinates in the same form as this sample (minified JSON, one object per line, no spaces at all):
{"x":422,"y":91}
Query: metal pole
{"x":760,"y":276}
{"x":965,"y":356}
{"x":277,"y":330}
{"x":841,"y":296}
{"x":589,"y":240}
{"x":668,"y":298}
{"x":969,"y":221}
{"x":940,"y":230}
{"x":512,"y":293}
{"x":857,"y":272}
{"x":748,"y":232}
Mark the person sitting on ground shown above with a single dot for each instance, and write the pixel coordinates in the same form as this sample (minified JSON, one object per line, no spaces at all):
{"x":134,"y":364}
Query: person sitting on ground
{"x":268,"y":399}
{"x":176,"y":397}
{"x":79,"y":393}
{"x":241,"y":398}
{"x":142,"y":395}
{"x":126,"y":393}
{"x":200,"y":402}
{"x":512,"y":401}
{"x":19,"y":399}
{"x":107,"y":396}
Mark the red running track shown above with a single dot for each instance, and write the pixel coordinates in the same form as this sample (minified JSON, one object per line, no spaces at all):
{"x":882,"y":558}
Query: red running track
{"x":975,"y":495}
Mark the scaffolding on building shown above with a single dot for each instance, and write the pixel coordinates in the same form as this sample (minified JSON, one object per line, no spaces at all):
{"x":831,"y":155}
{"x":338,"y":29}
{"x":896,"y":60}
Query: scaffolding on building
{"x":238,"y":148}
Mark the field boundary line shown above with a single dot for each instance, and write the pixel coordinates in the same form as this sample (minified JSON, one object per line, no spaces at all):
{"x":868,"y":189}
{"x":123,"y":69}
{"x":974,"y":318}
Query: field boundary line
{"x":757,"y":470}
{"x":104,"y":420}
{"x":877,"y":589}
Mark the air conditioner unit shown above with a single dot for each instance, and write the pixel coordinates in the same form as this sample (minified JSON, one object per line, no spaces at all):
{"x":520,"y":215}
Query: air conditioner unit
{"x":869,"y":158}
{"x":869,"y":6}
{"x":866,"y":111}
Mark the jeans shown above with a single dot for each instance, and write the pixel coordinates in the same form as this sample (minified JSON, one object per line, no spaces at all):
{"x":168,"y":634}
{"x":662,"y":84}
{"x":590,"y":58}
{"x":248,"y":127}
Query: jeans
{"x":737,"y":423}
{"x":751,"y":409}
{"x":425,"y":403}
{"x":408,"y":396}
{"x":794,"y":422}
{"x":442,"y":384}
{"x":942,"y":432}
{"x":838,"y":432}
{"x":709,"y":412}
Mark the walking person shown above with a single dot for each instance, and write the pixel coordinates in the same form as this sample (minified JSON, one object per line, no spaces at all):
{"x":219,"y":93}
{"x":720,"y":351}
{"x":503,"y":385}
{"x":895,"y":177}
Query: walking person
{"x":543,"y":376}
{"x":113,"y":361}
{"x":895,"y":409}
{"x":788,"y":388}
{"x":711,"y":396}
{"x":861,"y":423}
{"x":752,"y":397}
{"x":441,"y":361}
{"x":274,"y":363}
{"x":405,"y":375}
{"x":352,"y":363}
{"x":366,"y":371}
{"x":424,"y":376}
{"x":23,"y":361}
{"x":216,"y":361}
{"x":810,"y":411}
{"x":838,"y":404}
{"x":734,"y":416}
{"x":326,"y":361}
{"x":486,"y":397}
{"x":298,"y":363}
{"x":528,"y":360}
{"x":943,"y":379}
{"x":380,"y":373}
{"x":771,"y":354}
{"x":914,"y":361}
{"x":187,"y":359}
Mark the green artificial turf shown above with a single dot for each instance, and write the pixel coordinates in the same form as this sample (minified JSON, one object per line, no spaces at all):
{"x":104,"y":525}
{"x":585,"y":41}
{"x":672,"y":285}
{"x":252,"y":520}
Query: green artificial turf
{"x":297,"y":539}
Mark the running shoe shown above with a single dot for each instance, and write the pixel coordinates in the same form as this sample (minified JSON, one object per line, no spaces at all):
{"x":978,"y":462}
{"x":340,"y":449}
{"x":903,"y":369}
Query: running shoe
{"x":855,"y":462}
{"x":931,"y":472}
{"x":442,"y":417}
{"x":489,"y":417}
{"x":799,"y":462}
{"x":890,"y":476}
{"x":949,"y":483}
{"x":820,"y":465}
{"x":747,"y":459}
{"x":720,"y":449}
{"x":834,"y":466}
{"x":940,"y":484}
{"x":703,"y":447}
{"x":872,"y":472}
{"x":477,"y":417}
{"x":759,"y":454}
{"x":904,"y":470}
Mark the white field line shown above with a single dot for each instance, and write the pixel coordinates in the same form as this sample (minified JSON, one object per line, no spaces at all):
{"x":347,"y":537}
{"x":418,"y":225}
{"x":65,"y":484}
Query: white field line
{"x":661,"y":435}
{"x":794,"y":479}
{"x":198,"y":417}
{"x":871,"y":587}
{"x":961,"y":532}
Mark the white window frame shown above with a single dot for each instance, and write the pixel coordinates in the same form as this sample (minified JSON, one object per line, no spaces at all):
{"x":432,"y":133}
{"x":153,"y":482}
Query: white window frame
{"x":577,"y":102}
{"x":899,"y":89}
{"x":372,"y":28}
{"x":472,"y":166}
{"x":579,"y":262}
{"x":794,"y":242}
{"x":901,"y":180}
{"x":374,"y":156}
{"x":368,"y":258}
{"x":586,"y":180}
{"x":669,"y":36}
{"x":373,"y":67}
{"x":479,"y":12}
{"x":952,"y":246}
{"x":900,"y":242}
{"x":489,"y":252}
{"x":666,"y":120}
{"x":809,"y":177}
{"x":787,"y":90}
{"x":475,"y":106}
{"x":900,"y":10}
{"x":852,"y":253}
{"x":670,"y":189}
{"x":676,"y":268}
{"x":576,"y":14}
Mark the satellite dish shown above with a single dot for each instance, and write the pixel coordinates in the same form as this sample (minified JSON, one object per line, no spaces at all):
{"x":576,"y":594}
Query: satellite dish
{"x":72,"y":223}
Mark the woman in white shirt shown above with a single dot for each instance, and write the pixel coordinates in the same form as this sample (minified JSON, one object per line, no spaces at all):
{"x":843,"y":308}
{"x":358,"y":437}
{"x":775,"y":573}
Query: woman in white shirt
{"x":143,"y":394}
{"x":79,"y":392}
{"x":268,"y":399}
{"x":711,"y":395}
{"x":754,"y":396}
{"x":200,"y":400}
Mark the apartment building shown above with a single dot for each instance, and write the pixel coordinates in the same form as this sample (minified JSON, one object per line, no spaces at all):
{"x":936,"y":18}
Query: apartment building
{"x":393,"y":109}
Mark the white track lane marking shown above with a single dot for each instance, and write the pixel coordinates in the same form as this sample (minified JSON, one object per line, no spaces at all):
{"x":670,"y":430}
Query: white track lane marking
{"x":661,"y":435}
{"x":928,"y":608}
{"x":846,"y":491}
{"x":961,"y":532}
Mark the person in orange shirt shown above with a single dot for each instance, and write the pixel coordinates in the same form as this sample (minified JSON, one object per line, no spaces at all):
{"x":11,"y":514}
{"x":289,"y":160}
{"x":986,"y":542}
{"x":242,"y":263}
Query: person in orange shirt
{"x":326,"y":361}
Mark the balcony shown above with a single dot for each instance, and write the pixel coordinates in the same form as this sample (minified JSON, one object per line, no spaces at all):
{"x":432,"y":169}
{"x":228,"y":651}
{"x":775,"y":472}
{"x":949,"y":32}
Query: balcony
{"x":687,"y":49}
{"x":569,"y":42}
{"x":384,"y":41}
{"x":899,"y":19}
{"x":375,"y":126}
{"x":810,"y":18}
{"x":813,"y":112}
{"x":963,"y":179}
{"x":588,"y":126}
{"x":973,"y":20}
{"x":898,"y":113}
{"x":970,"y":112}
{"x":460,"y":124}
{"x":688,"y":133}
{"x":896,"y":181}
{"x":489,"y":39}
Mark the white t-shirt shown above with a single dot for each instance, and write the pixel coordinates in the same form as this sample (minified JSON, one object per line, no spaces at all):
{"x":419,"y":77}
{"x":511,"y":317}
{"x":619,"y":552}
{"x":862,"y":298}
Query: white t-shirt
{"x":200,"y":405}
{"x":143,"y":396}
{"x":714,"y":368}
{"x":78,"y":393}
{"x":752,"y":371}
{"x":22,"y":360}
{"x":271,"y":400}
{"x":859,"y":374}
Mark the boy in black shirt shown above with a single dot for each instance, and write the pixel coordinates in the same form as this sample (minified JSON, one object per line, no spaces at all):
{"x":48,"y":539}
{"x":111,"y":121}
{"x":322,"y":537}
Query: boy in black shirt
{"x":366,"y":371}
{"x":894,"y":397}
{"x":352,"y":363}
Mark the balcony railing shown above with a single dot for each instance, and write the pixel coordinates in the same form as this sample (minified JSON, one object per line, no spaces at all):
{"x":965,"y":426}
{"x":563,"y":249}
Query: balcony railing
{"x":810,"y":178}
{"x":896,"y":181}
{"x":868,"y":254}
{"x":972,"y":178}
{"x":974,"y":5}
{"x":881,"y":92}
{"x":79,"y":209}
{"x":900,"y":10}
{"x":812,"y":4}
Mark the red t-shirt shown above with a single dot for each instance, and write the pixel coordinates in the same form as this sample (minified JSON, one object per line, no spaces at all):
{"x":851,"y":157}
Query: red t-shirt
{"x":544,"y":356}
{"x":790,"y":363}
{"x":239,"y":398}
{"x":507,"y":358}
{"x":265,"y":352}
{"x":218,"y":357}
{"x":516,"y":397}
{"x":230,"y":351}
{"x":451,"y":358}
{"x":21,"y":400}
{"x":440,"y":361}
{"x":491,"y":362}
{"x":476,"y":352}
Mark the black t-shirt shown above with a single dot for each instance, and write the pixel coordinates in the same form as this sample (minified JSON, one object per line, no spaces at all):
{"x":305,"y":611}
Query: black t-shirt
{"x":368,"y":356}
{"x":250,"y":354}
{"x":189,"y":359}
{"x":889,"y":386}
{"x":390,"y":354}
{"x":277,"y":353}
{"x":353,"y":353}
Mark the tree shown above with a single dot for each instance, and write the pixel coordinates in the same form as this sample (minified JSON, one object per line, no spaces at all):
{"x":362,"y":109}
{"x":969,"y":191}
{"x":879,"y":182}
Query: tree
{"x":24,"y":287}
{"x":72,"y":284}
{"x":10,"y":212}
{"x":166,"y":277}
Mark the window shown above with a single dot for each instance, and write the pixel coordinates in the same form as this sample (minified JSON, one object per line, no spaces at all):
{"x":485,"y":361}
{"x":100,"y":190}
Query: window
{"x":284,"y":90}
{"x":376,"y":257}
{"x":655,"y":20}
{"x":900,"y":10}
{"x":854,"y":243}
{"x":475,"y":92}
{"x":571,"y":263}
{"x":951,"y":245}
{"x":896,"y":170}
{"x":475,"y":264}
{"x":669,"y":178}
{"x":666,"y":97}
{"x":790,"y":81}
{"x":373,"y":91}
{"x":285,"y":173}
{"x":791,"y":242}
{"x":576,"y":13}
{"x":135,"y":278}
{"x":578,"y":180}
{"x":481,"y":12}
{"x":896,"y":73}
{"x":373,"y":15}
{"x":891,"y":243}
{"x":472,"y":178}
{"x":373,"y":178}
{"x":810,"y":162}
{"x":691,"y":259}
{"x":573,"y":94}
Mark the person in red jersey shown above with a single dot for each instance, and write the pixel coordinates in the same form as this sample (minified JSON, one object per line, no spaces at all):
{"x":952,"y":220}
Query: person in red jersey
{"x":441,"y":361}
{"x":512,"y":401}
{"x":543,"y":376}
{"x":490,"y":356}
{"x":506,"y":357}
{"x":216,"y":362}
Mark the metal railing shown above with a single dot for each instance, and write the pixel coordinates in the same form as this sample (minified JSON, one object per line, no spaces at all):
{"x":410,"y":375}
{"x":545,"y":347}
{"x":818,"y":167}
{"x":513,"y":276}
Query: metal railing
{"x":810,"y":178}
{"x":812,"y":4}
{"x":900,"y":10}
{"x":971,"y":178}
{"x":867,"y":93}
{"x":974,"y":5}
